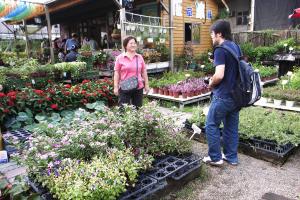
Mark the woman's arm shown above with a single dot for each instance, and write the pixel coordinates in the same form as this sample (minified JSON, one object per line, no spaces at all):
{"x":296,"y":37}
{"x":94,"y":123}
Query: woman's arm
{"x":145,"y":77}
{"x":116,"y":82}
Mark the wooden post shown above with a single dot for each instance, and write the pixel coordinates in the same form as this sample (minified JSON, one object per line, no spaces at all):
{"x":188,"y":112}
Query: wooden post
{"x":252,"y":15}
{"x":171,"y":42}
{"x":49,"y":33}
{"x":122,"y":20}
{"x":26,"y":39}
{"x":106,"y":27}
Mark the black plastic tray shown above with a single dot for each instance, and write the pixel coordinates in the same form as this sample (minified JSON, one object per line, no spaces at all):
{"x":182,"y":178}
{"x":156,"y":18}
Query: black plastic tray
{"x":194,"y":162}
{"x":166,"y":167}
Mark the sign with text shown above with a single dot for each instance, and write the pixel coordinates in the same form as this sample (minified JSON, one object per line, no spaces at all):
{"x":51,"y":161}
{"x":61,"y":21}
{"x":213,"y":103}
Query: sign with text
{"x":189,"y":12}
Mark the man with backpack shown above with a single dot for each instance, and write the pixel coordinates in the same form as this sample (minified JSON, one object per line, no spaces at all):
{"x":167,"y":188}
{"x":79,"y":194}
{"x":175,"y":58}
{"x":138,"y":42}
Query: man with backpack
{"x":223,"y":107}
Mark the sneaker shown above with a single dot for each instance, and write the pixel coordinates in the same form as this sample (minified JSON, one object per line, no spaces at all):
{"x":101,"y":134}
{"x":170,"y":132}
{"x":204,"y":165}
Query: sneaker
{"x":225,"y":159}
{"x":208,"y":160}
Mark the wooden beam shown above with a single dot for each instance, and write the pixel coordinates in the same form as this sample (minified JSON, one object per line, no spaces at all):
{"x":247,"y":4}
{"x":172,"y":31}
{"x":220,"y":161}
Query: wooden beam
{"x":64,"y":5}
{"x":117,"y":3}
{"x":49,"y":33}
{"x":171,"y":42}
{"x":26,"y":38}
{"x":164,"y":6}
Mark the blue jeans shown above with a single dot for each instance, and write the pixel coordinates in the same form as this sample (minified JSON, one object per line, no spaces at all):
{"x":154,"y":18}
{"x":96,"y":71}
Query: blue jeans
{"x":222,"y":110}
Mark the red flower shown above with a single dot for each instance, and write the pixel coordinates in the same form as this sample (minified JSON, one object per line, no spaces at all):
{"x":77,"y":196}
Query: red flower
{"x":67,"y":93}
{"x":83,"y":92}
{"x":85,"y":81}
{"x":48,"y":98}
{"x":54,"y":106}
{"x":49,"y":81}
{"x":6,"y":111}
{"x":39,"y":92}
{"x":84,"y":101}
{"x":2,"y":94}
{"x":67,"y":86}
{"x":10,"y":103}
{"x":40,"y":101}
{"x":12,"y":93}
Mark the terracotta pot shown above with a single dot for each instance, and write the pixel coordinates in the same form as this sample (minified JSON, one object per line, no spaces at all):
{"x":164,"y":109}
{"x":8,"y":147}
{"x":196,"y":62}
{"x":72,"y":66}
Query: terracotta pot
{"x":176,"y":94}
{"x":155,"y":90}
{"x":86,"y":53}
{"x":171,"y":93}
{"x":190,"y":94}
{"x":161,"y":91}
{"x":184,"y":95}
{"x":166,"y":92}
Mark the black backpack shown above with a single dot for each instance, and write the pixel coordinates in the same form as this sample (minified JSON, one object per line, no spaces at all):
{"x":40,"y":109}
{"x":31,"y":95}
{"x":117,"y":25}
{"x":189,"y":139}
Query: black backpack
{"x":247,"y":89}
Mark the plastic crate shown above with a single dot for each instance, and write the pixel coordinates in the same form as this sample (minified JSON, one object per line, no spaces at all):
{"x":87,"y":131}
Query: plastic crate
{"x":194,"y":162}
{"x":149,"y":191}
{"x":143,"y":183}
{"x":166,"y":167}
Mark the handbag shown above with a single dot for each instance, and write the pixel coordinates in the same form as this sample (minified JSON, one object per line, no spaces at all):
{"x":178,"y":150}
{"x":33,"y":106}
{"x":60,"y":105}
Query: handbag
{"x":130,"y":84}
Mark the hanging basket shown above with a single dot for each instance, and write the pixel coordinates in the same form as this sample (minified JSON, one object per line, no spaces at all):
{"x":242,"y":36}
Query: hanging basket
{"x":116,"y":36}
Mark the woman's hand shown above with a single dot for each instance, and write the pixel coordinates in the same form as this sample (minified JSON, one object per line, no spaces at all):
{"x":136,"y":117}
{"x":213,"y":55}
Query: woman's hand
{"x":116,"y":91}
{"x":147,"y":89}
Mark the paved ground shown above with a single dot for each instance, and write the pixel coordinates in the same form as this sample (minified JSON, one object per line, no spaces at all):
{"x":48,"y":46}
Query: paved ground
{"x":252,"y":179}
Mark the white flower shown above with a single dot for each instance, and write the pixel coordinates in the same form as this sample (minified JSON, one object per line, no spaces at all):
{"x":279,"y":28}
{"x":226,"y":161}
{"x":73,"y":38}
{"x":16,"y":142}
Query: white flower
{"x":285,"y":45}
{"x":256,"y":70}
{"x":187,"y":75}
{"x":284,"y":82}
{"x":1,"y":87}
{"x":289,"y":73}
{"x":202,"y":66}
{"x":291,"y":48}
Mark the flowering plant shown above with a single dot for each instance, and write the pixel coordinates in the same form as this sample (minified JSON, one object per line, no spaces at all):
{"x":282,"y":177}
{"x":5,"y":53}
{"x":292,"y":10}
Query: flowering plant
{"x":55,"y":97}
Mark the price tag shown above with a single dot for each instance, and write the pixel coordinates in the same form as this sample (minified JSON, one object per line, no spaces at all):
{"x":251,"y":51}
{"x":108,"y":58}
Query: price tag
{"x":33,"y":81}
{"x":3,"y":157}
{"x":65,"y":74}
{"x":150,"y":40}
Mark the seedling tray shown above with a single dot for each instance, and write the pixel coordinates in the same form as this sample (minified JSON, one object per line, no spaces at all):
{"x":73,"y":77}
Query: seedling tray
{"x":166,"y":167}
{"x":266,"y":150}
{"x":194,"y":163}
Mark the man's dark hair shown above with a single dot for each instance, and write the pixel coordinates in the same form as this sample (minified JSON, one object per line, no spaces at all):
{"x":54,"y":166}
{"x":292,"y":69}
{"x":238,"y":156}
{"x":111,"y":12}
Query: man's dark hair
{"x":74,"y":35}
{"x":223,"y":27}
{"x":126,"y":40}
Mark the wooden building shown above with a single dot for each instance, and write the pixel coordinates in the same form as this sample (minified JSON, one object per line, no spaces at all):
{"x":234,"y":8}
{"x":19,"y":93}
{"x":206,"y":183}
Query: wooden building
{"x":189,"y":27}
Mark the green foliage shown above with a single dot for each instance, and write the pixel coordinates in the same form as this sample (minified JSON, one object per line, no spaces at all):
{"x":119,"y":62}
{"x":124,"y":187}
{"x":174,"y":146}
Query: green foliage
{"x":169,"y":78}
{"x":265,"y":71}
{"x":164,"y":51}
{"x":264,"y":53}
{"x":295,"y":80}
{"x":280,"y":45}
{"x":222,"y":14}
{"x":282,"y":127}
{"x":249,"y":51}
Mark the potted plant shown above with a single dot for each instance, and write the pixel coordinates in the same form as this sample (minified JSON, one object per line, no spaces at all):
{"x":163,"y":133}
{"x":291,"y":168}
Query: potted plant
{"x":116,"y":34}
{"x":85,"y":50}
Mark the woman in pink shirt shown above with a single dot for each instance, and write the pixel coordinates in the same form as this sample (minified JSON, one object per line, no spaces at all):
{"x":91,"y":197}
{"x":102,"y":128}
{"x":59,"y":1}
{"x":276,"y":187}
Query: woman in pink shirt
{"x":125,"y":67}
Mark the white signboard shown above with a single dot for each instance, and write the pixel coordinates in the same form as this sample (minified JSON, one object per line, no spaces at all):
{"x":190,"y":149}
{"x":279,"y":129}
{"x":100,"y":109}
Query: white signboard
{"x":200,"y":9}
{"x":177,"y":7}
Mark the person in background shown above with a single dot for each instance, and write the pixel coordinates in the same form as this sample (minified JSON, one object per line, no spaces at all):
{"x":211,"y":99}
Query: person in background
{"x":223,"y":107}
{"x":93,"y":44}
{"x":85,"y":40}
{"x":72,"y":55}
{"x":61,"y":55}
{"x":125,"y":67}
{"x":72,"y":41}
{"x":45,"y":50}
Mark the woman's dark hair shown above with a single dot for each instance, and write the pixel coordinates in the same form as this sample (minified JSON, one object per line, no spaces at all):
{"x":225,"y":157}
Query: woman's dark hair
{"x":222,"y":26}
{"x":126,"y":40}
